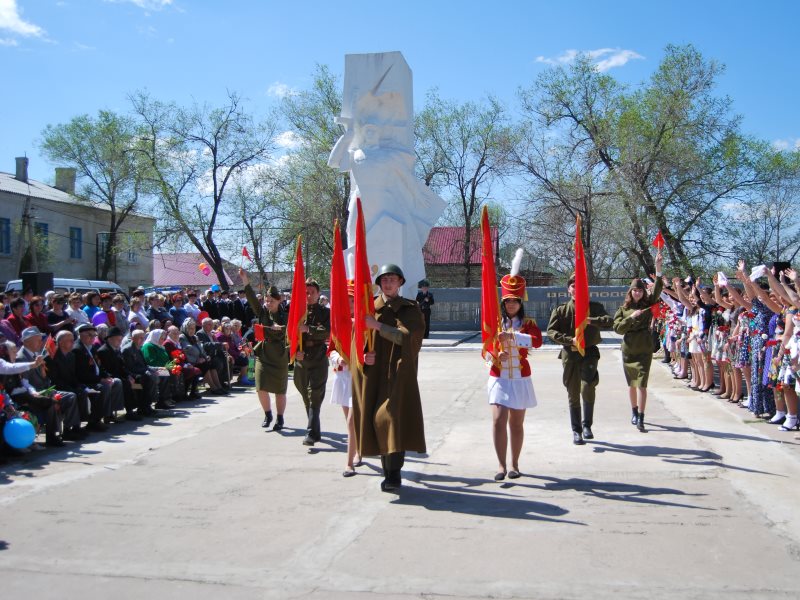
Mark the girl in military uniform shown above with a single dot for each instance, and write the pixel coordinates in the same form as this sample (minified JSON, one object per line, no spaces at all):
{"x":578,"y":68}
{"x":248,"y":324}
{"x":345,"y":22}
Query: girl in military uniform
{"x":272,"y":353}
{"x":510,"y":387}
{"x":632,"y":320}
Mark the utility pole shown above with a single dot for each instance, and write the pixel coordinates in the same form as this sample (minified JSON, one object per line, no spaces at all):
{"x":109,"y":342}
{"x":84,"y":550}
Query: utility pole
{"x":26,"y":228}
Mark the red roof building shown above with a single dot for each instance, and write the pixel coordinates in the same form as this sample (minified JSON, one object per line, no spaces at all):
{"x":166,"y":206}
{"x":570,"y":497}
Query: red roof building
{"x":445,"y":246}
{"x":183,"y":270}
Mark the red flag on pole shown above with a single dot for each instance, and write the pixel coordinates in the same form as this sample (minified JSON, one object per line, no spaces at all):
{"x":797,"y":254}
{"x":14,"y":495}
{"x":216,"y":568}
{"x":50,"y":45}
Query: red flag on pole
{"x":298,"y":307}
{"x":490,"y":304}
{"x":245,"y":253}
{"x":363,"y":298}
{"x":658,"y":242}
{"x":341,"y":325}
{"x":581,"y":290}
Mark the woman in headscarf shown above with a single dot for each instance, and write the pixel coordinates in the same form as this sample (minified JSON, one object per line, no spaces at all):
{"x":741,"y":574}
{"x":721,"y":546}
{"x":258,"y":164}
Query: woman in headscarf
{"x":156,"y":356}
{"x":190,"y":374}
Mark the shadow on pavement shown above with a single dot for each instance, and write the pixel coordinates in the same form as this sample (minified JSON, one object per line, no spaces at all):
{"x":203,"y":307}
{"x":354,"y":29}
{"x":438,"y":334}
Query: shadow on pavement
{"x":612,"y":490}
{"x":679,"y":456}
{"x":723,"y":435}
{"x":469,"y":501}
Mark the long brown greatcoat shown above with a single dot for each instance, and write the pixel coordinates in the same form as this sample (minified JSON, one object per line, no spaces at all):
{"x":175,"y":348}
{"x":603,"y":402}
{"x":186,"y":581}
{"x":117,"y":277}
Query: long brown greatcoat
{"x":387,"y":409}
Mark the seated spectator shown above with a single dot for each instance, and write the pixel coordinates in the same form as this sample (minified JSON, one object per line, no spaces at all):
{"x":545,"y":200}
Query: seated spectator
{"x":109,"y":356}
{"x":95,"y":378}
{"x":57,"y":317}
{"x":190,"y":373}
{"x":155,"y":356}
{"x":137,"y":315}
{"x":61,"y":405}
{"x":120,"y":315}
{"x":196,"y":355}
{"x":215,"y":352}
{"x":15,"y":322}
{"x":37,"y":317}
{"x":141,"y":373}
{"x":157,"y":312}
{"x":92,"y":304}
{"x":177,"y":313}
{"x":76,"y":311}
{"x":237,"y":358}
{"x":61,"y":370}
{"x":102,"y":332}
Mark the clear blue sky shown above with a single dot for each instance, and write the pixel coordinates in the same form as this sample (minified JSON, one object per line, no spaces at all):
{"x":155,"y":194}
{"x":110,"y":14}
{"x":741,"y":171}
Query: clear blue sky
{"x":61,"y":58}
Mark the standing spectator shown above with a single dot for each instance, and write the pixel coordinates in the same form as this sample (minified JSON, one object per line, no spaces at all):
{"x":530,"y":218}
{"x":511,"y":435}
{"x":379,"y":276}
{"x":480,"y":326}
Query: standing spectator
{"x":425,"y":301}
{"x":15,"y":322}
{"x":76,"y":312}
{"x":92,"y":304}
{"x":137,"y":315}
{"x":120,"y":315}
{"x":177,"y":313}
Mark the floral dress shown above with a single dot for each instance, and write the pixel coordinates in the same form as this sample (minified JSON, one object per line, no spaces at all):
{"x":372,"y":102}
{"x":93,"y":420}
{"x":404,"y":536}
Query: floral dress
{"x":743,"y":341}
{"x":761,"y":397}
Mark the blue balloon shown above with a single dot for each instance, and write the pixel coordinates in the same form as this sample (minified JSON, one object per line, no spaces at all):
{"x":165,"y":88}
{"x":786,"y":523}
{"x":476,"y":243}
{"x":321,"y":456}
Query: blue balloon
{"x":215,"y":288}
{"x":19,"y":433}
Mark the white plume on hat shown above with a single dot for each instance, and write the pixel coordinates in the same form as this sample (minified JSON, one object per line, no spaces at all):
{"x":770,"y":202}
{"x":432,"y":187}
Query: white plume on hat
{"x":517,"y":262}
{"x":351,"y":265}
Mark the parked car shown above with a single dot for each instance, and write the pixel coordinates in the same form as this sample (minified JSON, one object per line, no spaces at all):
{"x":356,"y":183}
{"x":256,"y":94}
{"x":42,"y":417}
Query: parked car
{"x":67,"y":286}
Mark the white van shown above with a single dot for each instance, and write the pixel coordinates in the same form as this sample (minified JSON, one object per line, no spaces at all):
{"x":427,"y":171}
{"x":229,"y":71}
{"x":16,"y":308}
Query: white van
{"x":67,"y":286}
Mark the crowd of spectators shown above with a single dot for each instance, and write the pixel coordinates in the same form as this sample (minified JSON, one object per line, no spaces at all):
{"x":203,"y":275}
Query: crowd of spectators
{"x":74,"y":365}
{"x":739,"y":341}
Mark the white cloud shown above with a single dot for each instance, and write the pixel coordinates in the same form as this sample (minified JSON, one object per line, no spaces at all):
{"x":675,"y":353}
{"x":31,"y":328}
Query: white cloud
{"x":280,"y":90}
{"x":789,"y":144}
{"x":8,"y":42}
{"x":604,"y":58}
{"x":12,"y":22}
{"x":289,"y":140}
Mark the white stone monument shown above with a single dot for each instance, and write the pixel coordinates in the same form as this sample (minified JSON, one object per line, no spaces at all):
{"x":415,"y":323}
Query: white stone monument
{"x":377,"y":149}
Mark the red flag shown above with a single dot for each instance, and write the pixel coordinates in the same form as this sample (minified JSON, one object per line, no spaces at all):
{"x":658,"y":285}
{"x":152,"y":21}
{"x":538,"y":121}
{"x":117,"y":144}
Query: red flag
{"x":246,"y":254}
{"x":490,"y":305}
{"x":658,"y":242}
{"x":298,"y":307}
{"x":364,"y":300}
{"x":259,"y":332}
{"x":341,"y":325}
{"x":581,"y":290}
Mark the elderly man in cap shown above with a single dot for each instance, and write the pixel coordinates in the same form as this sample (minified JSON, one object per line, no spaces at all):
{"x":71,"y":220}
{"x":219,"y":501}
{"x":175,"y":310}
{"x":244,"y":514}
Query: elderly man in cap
{"x":96,"y":378}
{"x":62,"y":404}
{"x":109,"y":355}
{"x":136,"y":365}
{"x":311,"y":364}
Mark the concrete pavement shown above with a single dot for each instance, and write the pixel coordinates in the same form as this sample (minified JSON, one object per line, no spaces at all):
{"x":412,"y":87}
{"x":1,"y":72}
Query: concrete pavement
{"x":206,"y":504}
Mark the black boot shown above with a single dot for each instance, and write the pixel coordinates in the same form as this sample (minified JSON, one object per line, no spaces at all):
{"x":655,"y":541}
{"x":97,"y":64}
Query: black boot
{"x":588,"y":415}
{"x":634,"y":415}
{"x":640,"y":423}
{"x":267,"y":418}
{"x":575,"y":421}
{"x":278,"y":423}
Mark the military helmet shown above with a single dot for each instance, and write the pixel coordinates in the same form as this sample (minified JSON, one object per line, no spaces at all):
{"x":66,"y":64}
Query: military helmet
{"x":386,"y":270}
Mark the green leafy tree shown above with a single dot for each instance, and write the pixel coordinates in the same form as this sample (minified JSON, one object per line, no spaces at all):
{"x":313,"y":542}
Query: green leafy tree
{"x":101,"y":150}
{"x":462,"y":150}
{"x":193,"y":155}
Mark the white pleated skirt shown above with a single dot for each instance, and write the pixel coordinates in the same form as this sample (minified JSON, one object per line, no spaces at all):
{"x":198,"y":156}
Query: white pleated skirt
{"x":342,"y":388}
{"x":512,"y":393}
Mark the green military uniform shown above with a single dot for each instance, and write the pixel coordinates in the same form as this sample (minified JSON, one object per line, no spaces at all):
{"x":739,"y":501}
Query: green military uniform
{"x":637,"y":341}
{"x":387,"y":409}
{"x":311,"y":373}
{"x":272,"y":354}
{"x":580,"y":372}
